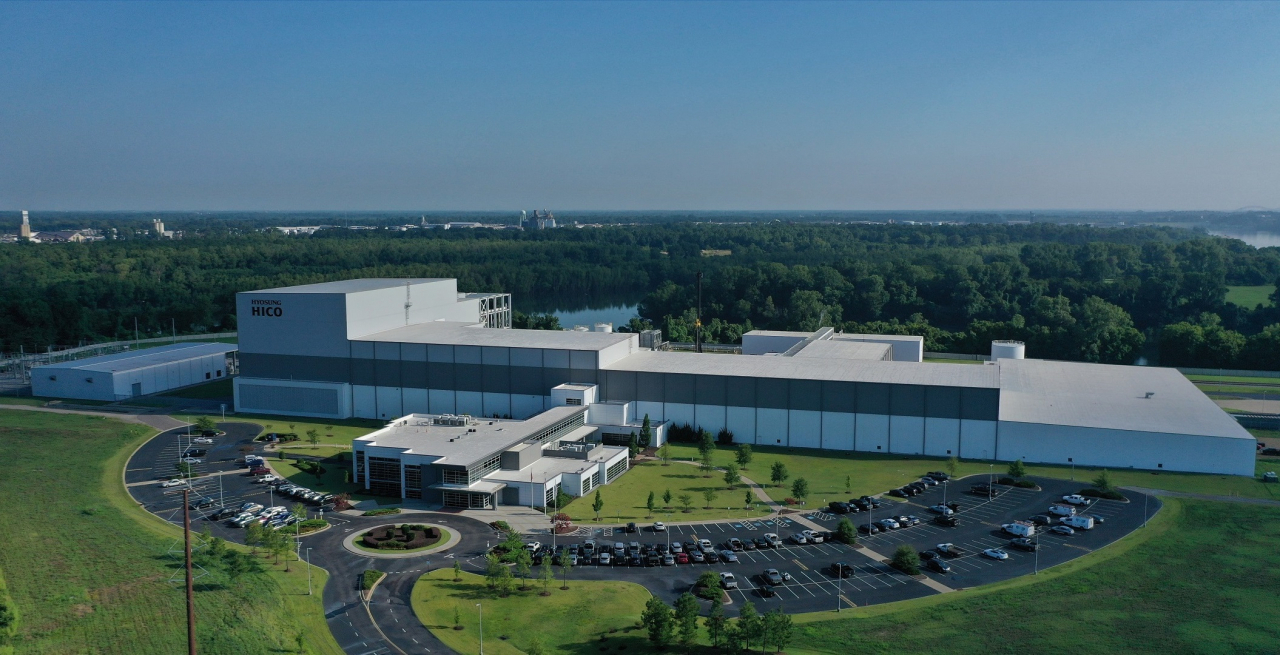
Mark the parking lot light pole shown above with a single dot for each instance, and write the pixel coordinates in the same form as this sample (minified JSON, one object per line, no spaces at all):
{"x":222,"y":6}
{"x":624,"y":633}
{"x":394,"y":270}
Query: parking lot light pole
{"x":839,"y":587}
{"x":308,"y":571}
{"x":481,"y":628}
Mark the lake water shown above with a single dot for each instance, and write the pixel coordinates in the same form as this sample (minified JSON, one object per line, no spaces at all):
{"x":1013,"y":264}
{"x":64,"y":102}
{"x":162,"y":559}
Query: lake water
{"x":1257,"y":239}
{"x":618,"y":315}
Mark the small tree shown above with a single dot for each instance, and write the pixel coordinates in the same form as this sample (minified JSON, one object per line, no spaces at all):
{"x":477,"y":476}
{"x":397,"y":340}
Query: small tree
{"x":562,"y":498}
{"x":566,"y":567}
{"x":707,"y":585}
{"x":845,"y":532}
{"x":299,"y":511}
{"x":777,"y":629}
{"x":1103,"y":482}
{"x":848,"y":484}
{"x":646,"y":432}
{"x":706,"y":443}
{"x":664,"y":454}
{"x":237,"y":564}
{"x":1017,"y":470}
{"x":749,"y":623}
{"x":342,"y":502}
{"x":457,"y":570}
{"x":731,"y":475}
{"x":953,"y":464}
{"x":800,"y":488}
{"x":906,"y":559}
{"x":750,"y":499}
{"x":493,"y":570}
{"x":206,"y":423}
{"x":778,"y":473}
{"x":709,"y":494}
{"x":716,"y":622}
{"x":686,"y":502}
{"x":291,"y":427}
{"x":725,"y":436}
{"x":535,"y":647}
{"x":300,"y":640}
{"x":686,"y":618}
{"x":253,"y":537}
{"x":744,"y":455}
{"x":657,"y":620}
{"x":457,"y":617}
{"x":524,"y":566}
{"x":184,"y":469}
{"x":597,"y":505}
{"x":546,"y":574}
{"x":651,"y":503}
{"x":633,"y":446}
{"x":666,"y":499}
{"x":313,"y":437}
{"x":705,"y":463}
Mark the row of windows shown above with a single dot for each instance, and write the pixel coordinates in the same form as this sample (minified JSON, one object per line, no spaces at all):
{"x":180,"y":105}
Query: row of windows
{"x":616,"y":470}
{"x":559,"y":429}
{"x":455,"y":476}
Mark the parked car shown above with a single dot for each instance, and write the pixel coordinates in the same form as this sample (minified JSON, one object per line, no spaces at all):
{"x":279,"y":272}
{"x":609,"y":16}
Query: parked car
{"x":947,"y":521}
{"x":911,"y":519}
{"x":813,"y":536}
{"x":767,"y":591}
{"x":192,"y":460}
{"x":728,"y":556}
{"x":841,"y":570}
{"x":635,"y":560}
{"x":869,"y":528}
{"x":682,"y":558}
{"x":668,"y":560}
{"x":265,"y":479}
{"x":1023,"y":543}
{"x":259,"y":470}
{"x":748,"y":544}
{"x":658,"y":526}
{"x":900,"y":492}
{"x":762,"y":543}
{"x":1062,"y":530}
{"x":941,"y":509}
{"x":727,"y":581}
{"x":773,"y":539}
{"x":711,"y":557}
{"x":938,"y":475}
{"x":705,"y":545}
{"x":873,"y":502}
{"x":995,"y":553}
{"x":949,"y":550}
{"x":937,"y":566}
{"x":889,"y":524}
{"x":201,"y":503}
{"x":1075,"y":499}
{"x":859,"y":504}
{"x":589,"y":548}
{"x":1062,"y":510}
{"x":176,"y":482}
{"x":773,"y":577}
{"x":799,"y":539}
{"x":928,"y":482}
{"x":838,"y":507}
{"x":631,"y":528}
{"x":202,"y":440}
{"x":1041,"y":519}
{"x":697,"y":557}
{"x":982,"y":489}
{"x":734,"y":544}
{"x":677,"y":547}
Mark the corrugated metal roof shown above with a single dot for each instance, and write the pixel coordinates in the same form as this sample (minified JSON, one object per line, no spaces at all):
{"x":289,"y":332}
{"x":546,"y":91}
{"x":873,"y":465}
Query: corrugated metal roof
{"x":470,"y":334}
{"x":352,"y":286}
{"x":804,"y":368}
{"x":1108,"y":397}
{"x":136,"y":359}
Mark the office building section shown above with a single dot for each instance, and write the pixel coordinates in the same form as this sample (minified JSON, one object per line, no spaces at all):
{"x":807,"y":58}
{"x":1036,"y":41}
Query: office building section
{"x":409,"y":351}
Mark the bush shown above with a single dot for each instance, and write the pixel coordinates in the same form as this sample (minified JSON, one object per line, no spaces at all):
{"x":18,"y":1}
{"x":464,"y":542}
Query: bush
{"x":1006,"y":480}
{"x":682,"y":434}
{"x":311,"y":525}
{"x":846,"y":533}
{"x":370,"y":578}
{"x":309,"y":466}
{"x":501,"y":525}
{"x":1094,"y":493}
{"x":791,"y":501}
{"x":906,"y":559}
{"x":1025,"y":484}
{"x":707,"y":586}
{"x":724,"y":437}
{"x":382,"y":511}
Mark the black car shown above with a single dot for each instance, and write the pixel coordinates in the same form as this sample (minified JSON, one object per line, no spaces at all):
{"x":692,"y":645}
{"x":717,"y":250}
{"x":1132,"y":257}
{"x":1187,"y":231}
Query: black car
{"x":860,"y":504}
{"x":763,"y":543}
{"x":631,"y":527}
{"x":636,"y":561}
{"x":838,"y":507}
{"x":870,"y":528}
{"x":208,"y":433}
{"x":1023,"y":543}
{"x":899,"y":492}
{"x":748,"y":544}
{"x":660,"y":549}
{"x":926,"y":555}
{"x":195,"y":452}
{"x":872,"y":501}
{"x":712,"y":556}
{"x":1042,"y":519}
{"x":938,"y":566}
{"x":980,"y":489}
{"x":841,"y":570}
{"x":201,"y":503}
{"x":768,"y":591}
{"x":947,"y":521}
{"x":938,"y":475}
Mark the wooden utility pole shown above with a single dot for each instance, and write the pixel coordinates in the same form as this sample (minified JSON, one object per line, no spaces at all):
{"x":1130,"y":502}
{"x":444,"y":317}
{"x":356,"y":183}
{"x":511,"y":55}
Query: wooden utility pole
{"x":191,"y":599}
{"x":697,"y":321}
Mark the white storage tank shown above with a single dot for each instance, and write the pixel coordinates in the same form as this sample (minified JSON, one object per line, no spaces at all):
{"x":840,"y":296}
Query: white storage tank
{"x":1008,"y":350}
{"x":603,"y":327}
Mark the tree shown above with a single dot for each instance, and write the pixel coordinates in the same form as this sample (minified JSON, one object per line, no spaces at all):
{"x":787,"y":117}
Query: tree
{"x":707,"y":585}
{"x":750,"y":499}
{"x":546,"y":574}
{"x":800,"y":488}
{"x":457,"y":617}
{"x":633,"y":446}
{"x":716,"y":622}
{"x":253,"y":537}
{"x":724,"y":436}
{"x":705,"y":463}
{"x":744,"y":455}
{"x":342,"y":502}
{"x":1017,"y":470}
{"x":238,"y":564}
{"x":749,"y":623}
{"x":706,"y":443}
{"x":686,"y":618}
{"x":651,"y":503}
{"x":646,"y":432}
{"x":664,"y":453}
{"x":1103,"y":482}
{"x":778,"y":473}
{"x":845,"y":532}
{"x":657,"y":620}
{"x":566,"y":567}
{"x":524,"y":566}
{"x":686,"y":502}
{"x":710,"y":494}
{"x":731,"y":475}
{"x":299,"y":511}
{"x":906,"y":559}
{"x":493,"y":569}
{"x":597,"y":505}
{"x":666,"y":499}
{"x":535,"y":647}
{"x":953,"y":464}
{"x":457,"y":570}
{"x":777,"y":629}
{"x":848,"y":484}
{"x":206,"y":423}
{"x":562,"y":498}
{"x":300,"y":640}
{"x":313,"y":437}
{"x":184,"y":469}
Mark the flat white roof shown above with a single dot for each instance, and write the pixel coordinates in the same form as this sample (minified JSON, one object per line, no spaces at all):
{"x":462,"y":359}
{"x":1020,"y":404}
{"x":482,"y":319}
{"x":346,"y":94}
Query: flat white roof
{"x":849,"y":336}
{"x":864,"y":350}
{"x":808,"y":368}
{"x":470,"y":334}
{"x":352,"y":286}
{"x":457,"y":445}
{"x":546,"y":468}
{"x":1109,"y":397}
{"x":136,"y":359}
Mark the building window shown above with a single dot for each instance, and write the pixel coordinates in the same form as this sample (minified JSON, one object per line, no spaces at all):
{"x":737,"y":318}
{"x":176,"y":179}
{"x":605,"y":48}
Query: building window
{"x":586,"y":486}
{"x":595,"y":478}
{"x":219,"y":372}
{"x":573,"y":401}
{"x":616,"y":470}
{"x":413,"y":477}
{"x":455,"y":476}
{"x":359,"y":455}
{"x":207,"y":376}
{"x":384,"y":476}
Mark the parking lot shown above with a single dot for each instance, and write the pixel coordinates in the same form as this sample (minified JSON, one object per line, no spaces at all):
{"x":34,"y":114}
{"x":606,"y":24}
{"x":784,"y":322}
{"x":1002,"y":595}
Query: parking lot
{"x":814,"y":587}
{"x":220,"y":478}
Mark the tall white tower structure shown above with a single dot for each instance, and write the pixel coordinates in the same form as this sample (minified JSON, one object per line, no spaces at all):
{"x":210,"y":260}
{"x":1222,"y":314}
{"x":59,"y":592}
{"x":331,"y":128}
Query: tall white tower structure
{"x":25,"y":231}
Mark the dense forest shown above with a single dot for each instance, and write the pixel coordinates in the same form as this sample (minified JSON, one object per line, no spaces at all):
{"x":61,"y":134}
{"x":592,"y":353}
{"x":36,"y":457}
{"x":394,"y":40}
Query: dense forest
{"x":1070,"y":292}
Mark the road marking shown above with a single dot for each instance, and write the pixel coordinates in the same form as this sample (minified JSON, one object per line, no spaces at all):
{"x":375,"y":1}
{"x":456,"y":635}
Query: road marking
{"x":851,"y":603}
{"x":799,"y":564}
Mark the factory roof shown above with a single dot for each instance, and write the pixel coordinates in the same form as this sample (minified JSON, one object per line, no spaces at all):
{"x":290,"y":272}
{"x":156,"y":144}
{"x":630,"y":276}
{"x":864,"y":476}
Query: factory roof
{"x":472,"y":334}
{"x":1108,"y":397}
{"x":808,"y":368}
{"x":841,"y":336}
{"x":545,"y":468}
{"x":458,"y":445}
{"x":832,"y":349}
{"x":353,"y":286}
{"x":136,"y":359}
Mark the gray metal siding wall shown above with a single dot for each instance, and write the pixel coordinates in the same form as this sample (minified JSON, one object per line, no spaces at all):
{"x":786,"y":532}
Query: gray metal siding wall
{"x":288,"y":399}
{"x":811,"y":395}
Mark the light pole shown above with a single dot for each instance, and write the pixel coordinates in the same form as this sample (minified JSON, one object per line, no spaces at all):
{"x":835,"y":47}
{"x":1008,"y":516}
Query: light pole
{"x":308,"y":571}
{"x":1037,"y":544}
{"x":944,"y":493}
{"x":839,"y":587}
{"x":1073,"y":467}
{"x":481,"y":628}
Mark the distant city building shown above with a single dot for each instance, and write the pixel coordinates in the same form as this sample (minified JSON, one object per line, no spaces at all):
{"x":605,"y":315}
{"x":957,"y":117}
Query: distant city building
{"x":25,"y":232}
{"x":300,"y":229}
{"x":543,"y":220}
{"x":157,"y":227}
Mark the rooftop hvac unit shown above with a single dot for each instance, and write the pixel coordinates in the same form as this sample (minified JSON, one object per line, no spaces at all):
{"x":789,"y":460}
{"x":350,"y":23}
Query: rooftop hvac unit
{"x":1008,"y":350}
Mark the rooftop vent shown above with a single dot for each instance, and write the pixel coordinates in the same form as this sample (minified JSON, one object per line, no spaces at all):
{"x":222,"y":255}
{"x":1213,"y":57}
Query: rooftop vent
{"x":1150,"y":394}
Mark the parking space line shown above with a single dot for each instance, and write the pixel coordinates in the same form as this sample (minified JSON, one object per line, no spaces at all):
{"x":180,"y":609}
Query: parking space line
{"x":800,"y":564}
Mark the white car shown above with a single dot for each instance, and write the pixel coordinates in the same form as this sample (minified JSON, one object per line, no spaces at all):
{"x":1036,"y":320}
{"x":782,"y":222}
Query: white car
{"x":204,"y":440}
{"x":941,"y":509}
{"x":799,"y":538}
{"x":1075,"y":499}
{"x":889,"y":524}
{"x":176,"y":482}
{"x":728,"y":581}
{"x":773,"y":539}
{"x":659,"y":527}
{"x":995,"y":553}
{"x":265,"y":479}
{"x":705,"y":545}
{"x":813,"y":537}
{"x":192,"y":460}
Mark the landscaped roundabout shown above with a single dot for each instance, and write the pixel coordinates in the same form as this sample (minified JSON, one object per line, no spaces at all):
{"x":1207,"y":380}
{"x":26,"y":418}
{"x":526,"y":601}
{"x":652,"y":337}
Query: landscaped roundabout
{"x":404,"y":540}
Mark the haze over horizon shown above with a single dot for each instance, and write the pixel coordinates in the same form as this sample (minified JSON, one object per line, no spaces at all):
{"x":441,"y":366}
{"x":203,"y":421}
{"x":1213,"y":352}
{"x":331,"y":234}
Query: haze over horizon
{"x":639,"y":106}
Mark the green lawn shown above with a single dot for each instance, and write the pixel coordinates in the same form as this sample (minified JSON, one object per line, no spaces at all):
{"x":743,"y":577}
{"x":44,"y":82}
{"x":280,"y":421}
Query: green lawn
{"x":570,"y":622}
{"x":1233,"y":378}
{"x":331,"y":482}
{"x":331,"y":432}
{"x":23,"y":400}
{"x":1203,"y":581}
{"x":872,"y":473}
{"x":1250,"y":297}
{"x":216,"y":390}
{"x":88,"y":570}
{"x":624,"y":499}
{"x":316,"y":451}
{"x":1272,"y":392}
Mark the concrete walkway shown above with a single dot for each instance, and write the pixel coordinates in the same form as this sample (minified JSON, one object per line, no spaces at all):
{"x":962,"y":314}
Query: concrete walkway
{"x":1220,"y":499}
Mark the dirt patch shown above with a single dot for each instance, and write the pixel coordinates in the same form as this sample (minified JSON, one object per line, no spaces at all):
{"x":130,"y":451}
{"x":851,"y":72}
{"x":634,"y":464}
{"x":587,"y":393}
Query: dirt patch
{"x":83,"y":609}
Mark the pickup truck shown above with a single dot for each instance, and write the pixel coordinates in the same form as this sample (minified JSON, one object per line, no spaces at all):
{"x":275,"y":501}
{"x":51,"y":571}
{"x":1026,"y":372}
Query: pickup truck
{"x":1062,"y":510}
{"x":949,"y":550}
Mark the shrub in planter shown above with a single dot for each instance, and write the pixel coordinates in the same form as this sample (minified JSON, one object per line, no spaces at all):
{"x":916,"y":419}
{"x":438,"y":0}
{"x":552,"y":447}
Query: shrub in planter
{"x":1109,"y":495}
{"x":791,"y":501}
{"x":906,"y":559}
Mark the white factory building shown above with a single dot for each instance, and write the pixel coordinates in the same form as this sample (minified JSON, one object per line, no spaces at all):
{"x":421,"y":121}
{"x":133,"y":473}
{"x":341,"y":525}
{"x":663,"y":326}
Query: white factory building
{"x":134,"y":373}
{"x":387,"y":349}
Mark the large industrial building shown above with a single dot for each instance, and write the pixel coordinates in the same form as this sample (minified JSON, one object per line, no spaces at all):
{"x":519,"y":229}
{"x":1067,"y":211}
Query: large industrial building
{"x":388,"y":349}
{"x":134,"y":373}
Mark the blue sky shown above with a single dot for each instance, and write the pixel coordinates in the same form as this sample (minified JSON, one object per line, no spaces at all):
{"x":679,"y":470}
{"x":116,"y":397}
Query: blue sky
{"x":913,"y":105}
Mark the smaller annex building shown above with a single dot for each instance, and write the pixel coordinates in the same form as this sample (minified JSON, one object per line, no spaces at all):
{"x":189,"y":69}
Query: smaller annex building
{"x":457,"y":460}
{"x":134,"y":373}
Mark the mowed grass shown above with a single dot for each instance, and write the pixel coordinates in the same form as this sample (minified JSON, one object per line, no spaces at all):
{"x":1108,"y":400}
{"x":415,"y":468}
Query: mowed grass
{"x":317,"y":451}
{"x":1233,"y":378}
{"x":88,"y":568}
{"x":872,"y":473}
{"x":1204,"y":582}
{"x":625,"y":499}
{"x":1251,"y":296}
{"x":565,"y":622}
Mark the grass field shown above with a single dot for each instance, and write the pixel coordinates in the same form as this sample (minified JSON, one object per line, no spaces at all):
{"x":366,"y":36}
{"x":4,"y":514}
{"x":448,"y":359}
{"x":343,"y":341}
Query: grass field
{"x":1250,"y":297}
{"x":315,"y":451}
{"x":1203,"y":583}
{"x":566,"y":621}
{"x":216,"y":390}
{"x":624,"y":499}
{"x":1233,"y":378}
{"x":342,"y":431}
{"x":871,"y":473}
{"x":89,"y":572}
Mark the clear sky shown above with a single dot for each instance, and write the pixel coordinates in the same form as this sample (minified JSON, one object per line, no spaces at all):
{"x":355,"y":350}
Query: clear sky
{"x":611,"y":105}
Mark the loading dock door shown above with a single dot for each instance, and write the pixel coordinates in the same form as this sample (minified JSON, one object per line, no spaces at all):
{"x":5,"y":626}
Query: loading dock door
{"x":137,"y":389}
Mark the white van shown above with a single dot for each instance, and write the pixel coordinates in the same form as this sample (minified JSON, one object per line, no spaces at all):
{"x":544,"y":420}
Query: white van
{"x":1019,"y":528}
{"x":1077,"y":522}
